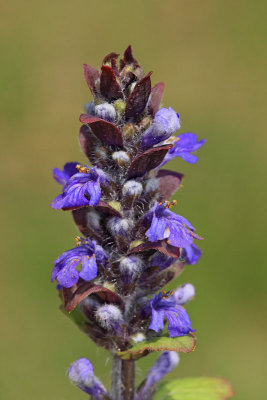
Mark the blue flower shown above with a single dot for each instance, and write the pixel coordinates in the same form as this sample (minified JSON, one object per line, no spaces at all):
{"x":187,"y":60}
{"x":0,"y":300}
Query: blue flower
{"x":63,"y":176}
{"x":183,"y":146}
{"x":165,"y":363}
{"x":81,"y":373}
{"x":84,"y":183}
{"x":184,"y":293}
{"x":190,"y":254}
{"x":165,"y":123}
{"x":167,"y":224}
{"x":105,"y":111}
{"x":164,"y":305}
{"x":88,"y":253}
{"x":110,"y":318}
{"x":161,"y":260}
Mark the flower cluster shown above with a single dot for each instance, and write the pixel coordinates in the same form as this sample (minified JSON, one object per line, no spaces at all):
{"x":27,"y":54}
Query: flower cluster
{"x":132,"y":243}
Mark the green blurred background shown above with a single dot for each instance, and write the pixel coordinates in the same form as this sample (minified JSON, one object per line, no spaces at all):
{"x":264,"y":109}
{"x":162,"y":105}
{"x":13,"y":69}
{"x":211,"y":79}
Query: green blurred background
{"x":210,"y":54}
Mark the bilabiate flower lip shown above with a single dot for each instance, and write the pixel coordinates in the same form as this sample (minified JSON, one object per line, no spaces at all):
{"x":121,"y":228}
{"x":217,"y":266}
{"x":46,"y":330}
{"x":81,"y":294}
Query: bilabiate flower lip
{"x":183,"y":146}
{"x":78,"y":189}
{"x":63,"y":176}
{"x":165,"y":305}
{"x":190,"y":254}
{"x":88,"y":254}
{"x":165,"y":224}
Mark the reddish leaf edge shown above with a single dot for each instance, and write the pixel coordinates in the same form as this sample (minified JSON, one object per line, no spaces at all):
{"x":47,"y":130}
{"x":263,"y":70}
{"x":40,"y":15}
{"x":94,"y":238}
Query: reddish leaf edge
{"x":72,"y":298}
{"x":149,"y":348}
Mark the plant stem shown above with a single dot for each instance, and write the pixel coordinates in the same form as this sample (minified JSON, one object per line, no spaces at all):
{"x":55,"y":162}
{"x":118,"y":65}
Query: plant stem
{"x":116,"y":381}
{"x":123,"y":379}
{"x":128,"y":379}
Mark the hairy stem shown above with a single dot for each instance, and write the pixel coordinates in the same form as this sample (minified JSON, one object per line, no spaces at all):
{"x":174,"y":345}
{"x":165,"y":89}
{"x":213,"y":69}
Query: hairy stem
{"x":128,"y":379}
{"x":116,"y":381}
{"x":123,"y":379}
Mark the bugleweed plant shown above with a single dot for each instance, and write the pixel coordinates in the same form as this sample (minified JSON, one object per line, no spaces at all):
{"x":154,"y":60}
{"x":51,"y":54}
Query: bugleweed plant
{"x":132,"y":245}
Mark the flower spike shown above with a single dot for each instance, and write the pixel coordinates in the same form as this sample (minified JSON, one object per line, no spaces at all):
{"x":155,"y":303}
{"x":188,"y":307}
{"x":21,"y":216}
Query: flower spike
{"x":133,"y":244}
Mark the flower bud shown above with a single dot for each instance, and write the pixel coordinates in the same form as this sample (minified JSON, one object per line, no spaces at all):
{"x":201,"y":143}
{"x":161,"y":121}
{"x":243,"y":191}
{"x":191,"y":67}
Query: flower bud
{"x":90,"y":108}
{"x":184,"y":293}
{"x":130,"y":268}
{"x":120,"y":106}
{"x":105,"y":111}
{"x":151,"y":186}
{"x":166,"y":362}
{"x":166,"y":122}
{"x":119,"y":226}
{"x":109,"y":317}
{"x":128,"y":131}
{"x":121,"y":158}
{"x":135,"y":243}
{"x":81,"y":373}
{"x":161,"y":260}
{"x":132,"y":188}
{"x":101,"y":155}
{"x":131,"y":191}
{"x":93,"y":220}
{"x":145,"y":123}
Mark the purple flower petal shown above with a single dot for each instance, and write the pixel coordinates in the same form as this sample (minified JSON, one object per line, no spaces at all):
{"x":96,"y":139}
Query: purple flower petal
{"x":88,"y":254}
{"x":166,"y":122}
{"x":63,"y":176}
{"x":167,"y":224}
{"x":183,"y":146}
{"x":164,"y":305}
{"x":78,"y":189}
{"x":191,"y":254}
{"x":179,"y":322}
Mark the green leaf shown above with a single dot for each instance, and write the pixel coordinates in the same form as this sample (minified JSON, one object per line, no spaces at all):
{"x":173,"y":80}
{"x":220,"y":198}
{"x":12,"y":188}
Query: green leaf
{"x":195,"y":389}
{"x":76,"y":315}
{"x":186,"y":344}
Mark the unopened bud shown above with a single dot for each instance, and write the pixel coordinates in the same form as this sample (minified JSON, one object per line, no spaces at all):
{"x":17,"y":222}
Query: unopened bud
{"x":131,"y":191}
{"x":109,"y":317}
{"x":184,"y":293}
{"x":119,"y":226}
{"x":93,"y":219}
{"x":120,"y":106}
{"x":152,"y":185}
{"x":130,"y":268}
{"x":166,"y":362}
{"x":105,"y":111}
{"x":115,"y":204}
{"x":128,"y":131}
{"x":101,"y":153}
{"x":121,"y":158}
{"x":132,"y":188}
{"x":81,"y":373}
{"x":145,"y":123}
